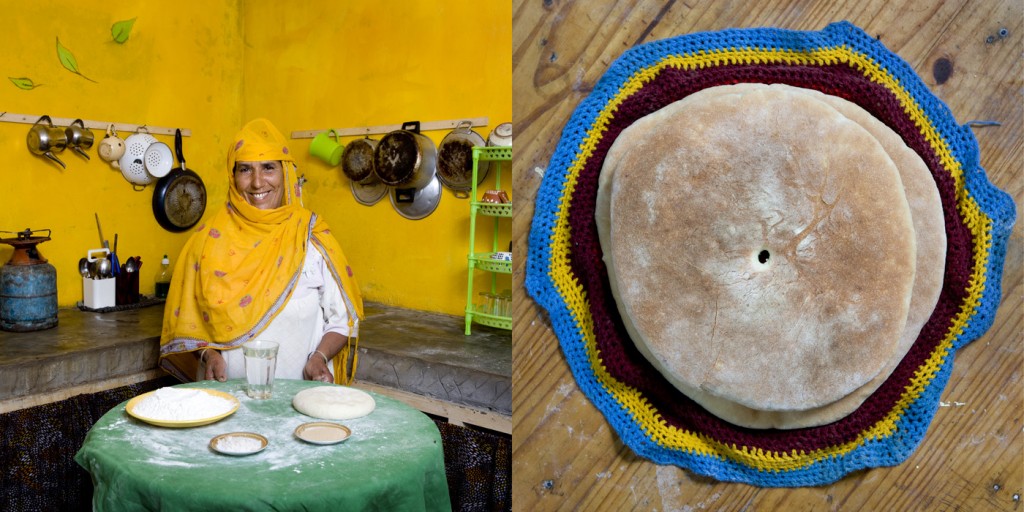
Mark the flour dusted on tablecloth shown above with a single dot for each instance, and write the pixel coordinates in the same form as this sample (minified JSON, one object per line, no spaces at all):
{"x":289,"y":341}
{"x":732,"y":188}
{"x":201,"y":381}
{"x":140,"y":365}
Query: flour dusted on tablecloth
{"x":175,"y":404}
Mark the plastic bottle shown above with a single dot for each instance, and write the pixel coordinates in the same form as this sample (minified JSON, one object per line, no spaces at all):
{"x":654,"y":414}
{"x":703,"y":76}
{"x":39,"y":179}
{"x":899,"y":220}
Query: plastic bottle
{"x":163,"y":279}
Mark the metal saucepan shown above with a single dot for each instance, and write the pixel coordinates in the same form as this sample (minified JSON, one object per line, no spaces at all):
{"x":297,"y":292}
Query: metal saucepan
{"x":455,"y":159}
{"x":45,"y":140}
{"x":415,"y":204}
{"x":405,"y":158}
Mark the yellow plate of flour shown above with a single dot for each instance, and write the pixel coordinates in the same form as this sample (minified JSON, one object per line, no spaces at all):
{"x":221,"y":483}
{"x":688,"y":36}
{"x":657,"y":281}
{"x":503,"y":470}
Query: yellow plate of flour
{"x":141,"y":408}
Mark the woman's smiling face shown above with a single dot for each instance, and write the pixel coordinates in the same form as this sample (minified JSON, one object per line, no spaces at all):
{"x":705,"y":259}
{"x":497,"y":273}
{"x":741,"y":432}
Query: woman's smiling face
{"x":260,"y":183}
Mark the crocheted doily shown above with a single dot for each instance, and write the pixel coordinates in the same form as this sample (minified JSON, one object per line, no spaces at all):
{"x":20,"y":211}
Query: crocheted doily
{"x":566,"y":274}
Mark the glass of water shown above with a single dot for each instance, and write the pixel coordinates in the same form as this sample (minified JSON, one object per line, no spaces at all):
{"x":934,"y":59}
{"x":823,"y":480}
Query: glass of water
{"x":260,"y":364}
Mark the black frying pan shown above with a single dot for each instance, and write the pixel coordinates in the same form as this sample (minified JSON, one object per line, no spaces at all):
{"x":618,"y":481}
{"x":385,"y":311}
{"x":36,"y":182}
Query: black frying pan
{"x":179,"y":199}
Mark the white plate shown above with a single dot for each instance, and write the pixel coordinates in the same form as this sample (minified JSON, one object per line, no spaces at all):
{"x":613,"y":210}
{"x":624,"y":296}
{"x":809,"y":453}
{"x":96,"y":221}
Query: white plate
{"x":222,"y":443}
{"x":322,"y":432}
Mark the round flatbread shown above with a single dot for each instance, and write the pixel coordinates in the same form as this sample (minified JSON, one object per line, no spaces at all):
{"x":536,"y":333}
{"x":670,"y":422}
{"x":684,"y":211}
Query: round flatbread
{"x":744,"y":230}
{"x":334,"y":402}
{"x":930,"y":235}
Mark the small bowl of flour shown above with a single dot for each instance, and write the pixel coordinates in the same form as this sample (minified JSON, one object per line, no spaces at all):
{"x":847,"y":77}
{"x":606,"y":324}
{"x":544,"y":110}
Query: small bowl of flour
{"x":182,"y":407}
{"x":238,"y":443}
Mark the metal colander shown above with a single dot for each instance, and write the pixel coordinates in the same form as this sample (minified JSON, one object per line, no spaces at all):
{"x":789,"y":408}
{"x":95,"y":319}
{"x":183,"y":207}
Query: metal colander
{"x":158,"y":159}
{"x":133,"y":162}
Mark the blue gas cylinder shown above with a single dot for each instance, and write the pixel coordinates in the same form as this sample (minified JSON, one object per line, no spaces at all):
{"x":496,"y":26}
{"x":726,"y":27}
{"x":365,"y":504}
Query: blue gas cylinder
{"x":28,"y":286}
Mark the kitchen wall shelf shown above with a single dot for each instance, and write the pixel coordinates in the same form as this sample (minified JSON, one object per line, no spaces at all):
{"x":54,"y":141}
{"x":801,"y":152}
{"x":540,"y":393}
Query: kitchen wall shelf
{"x":425,"y":126}
{"x":495,"y":210}
{"x":9,"y":117}
{"x":492,"y":315}
{"x":500,"y":322}
{"x":486,"y":261}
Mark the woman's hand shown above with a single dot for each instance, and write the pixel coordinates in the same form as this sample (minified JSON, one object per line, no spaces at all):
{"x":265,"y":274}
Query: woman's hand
{"x":317,"y":362}
{"x":216,"y":366}
{"x":316,"y":369}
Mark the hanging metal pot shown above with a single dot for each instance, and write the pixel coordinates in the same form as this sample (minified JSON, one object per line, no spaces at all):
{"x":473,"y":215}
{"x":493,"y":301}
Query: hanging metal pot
{"x":357,"y":164}
{"x":455,"y":159}
{"x":357,"y":159}
{"x":405,"y":158}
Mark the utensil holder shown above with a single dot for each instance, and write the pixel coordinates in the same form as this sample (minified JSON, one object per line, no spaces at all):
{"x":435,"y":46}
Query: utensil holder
{"x":98,"y":293}
{"x":127,"y":288}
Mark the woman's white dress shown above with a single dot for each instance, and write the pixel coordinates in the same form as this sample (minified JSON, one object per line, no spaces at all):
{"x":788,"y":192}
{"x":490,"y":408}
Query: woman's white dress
{"x":315,"y":308}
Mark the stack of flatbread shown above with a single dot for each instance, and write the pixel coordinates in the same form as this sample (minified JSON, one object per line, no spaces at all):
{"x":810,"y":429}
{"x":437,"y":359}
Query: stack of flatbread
{"x":773,"y":251}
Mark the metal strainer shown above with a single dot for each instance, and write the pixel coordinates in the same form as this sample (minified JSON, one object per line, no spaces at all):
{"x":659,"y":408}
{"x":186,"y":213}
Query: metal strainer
{"x":158,"y":159}
{"x":133,"y":166}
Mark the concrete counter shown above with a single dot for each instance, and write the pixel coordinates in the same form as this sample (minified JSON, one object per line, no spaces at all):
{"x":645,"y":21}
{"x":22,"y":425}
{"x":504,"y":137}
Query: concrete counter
{"x":421,"y":358}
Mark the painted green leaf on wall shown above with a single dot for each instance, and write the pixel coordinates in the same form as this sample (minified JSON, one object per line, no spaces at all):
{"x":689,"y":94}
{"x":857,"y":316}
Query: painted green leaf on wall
{"x":120,"y":30}
{"x":67,"y":59}
{"x":23,"y":83}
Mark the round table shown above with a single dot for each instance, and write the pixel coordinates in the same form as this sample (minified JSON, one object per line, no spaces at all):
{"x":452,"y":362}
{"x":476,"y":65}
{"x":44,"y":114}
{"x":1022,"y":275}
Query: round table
{"x":392,"y":461}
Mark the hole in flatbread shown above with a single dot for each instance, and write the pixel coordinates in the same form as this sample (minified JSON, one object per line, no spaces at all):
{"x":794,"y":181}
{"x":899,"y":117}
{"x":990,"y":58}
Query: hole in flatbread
{"x":763,"y":256}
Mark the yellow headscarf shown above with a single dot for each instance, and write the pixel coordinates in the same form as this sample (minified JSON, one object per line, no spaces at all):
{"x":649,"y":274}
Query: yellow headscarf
{"x":237,"y":271}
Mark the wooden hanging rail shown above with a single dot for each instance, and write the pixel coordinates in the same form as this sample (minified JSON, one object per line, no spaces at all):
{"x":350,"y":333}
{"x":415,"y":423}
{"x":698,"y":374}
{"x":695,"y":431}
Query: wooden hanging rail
{"x":369,"y":130}
{"x":128,"y":128}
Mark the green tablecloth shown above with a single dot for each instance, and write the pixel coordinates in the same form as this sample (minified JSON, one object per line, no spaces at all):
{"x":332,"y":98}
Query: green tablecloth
{"x":393,"y":460}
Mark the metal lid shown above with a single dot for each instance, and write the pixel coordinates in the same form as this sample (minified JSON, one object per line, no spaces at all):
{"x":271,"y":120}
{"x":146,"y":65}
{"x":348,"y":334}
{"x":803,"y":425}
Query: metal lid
{"x":369,"y":191}
{"x":415,"y":204}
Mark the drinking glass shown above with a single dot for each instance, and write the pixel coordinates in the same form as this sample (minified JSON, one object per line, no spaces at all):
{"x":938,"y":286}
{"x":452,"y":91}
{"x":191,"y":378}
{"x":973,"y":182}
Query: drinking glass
{"x":260,"y":364}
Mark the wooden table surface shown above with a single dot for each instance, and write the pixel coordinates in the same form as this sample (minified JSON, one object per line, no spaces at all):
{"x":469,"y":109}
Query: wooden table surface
{"x":565,"y":456}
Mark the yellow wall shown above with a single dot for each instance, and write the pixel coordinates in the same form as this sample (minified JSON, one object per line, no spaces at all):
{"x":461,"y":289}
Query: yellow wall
{"x":318,"y":65}
{"x":179,"y":68}
{"x":211,"y":65}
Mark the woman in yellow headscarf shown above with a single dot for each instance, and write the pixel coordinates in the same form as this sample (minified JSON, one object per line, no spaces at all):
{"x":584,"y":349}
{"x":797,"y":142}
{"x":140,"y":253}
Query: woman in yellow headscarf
{"x":264,"y":267}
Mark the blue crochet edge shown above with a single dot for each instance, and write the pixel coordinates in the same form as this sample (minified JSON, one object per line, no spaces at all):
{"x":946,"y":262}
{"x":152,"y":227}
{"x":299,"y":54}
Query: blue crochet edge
{"x":912,"y":426}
